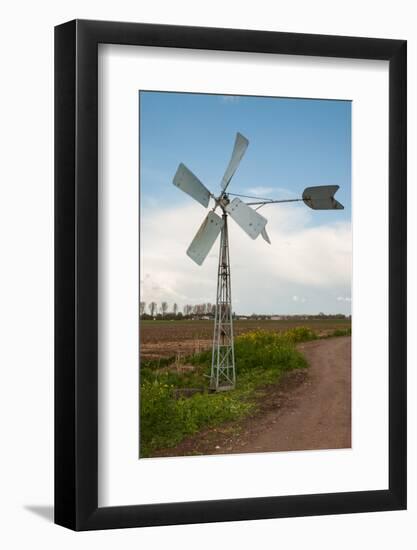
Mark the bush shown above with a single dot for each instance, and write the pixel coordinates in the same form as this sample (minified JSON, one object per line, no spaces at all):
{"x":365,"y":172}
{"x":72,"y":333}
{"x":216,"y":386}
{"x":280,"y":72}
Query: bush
{"x":268,"y":351}
{"x":300,"y":334}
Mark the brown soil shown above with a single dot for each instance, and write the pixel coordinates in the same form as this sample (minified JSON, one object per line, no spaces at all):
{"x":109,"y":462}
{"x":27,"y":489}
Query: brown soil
{"x":154,"y":350}
{"x":307,"y":409}
{"x":182,"y":338}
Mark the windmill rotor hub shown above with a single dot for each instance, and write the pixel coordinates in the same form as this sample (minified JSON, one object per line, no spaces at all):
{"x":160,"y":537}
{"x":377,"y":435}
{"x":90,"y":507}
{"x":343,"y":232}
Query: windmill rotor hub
{"x":223,"y":202}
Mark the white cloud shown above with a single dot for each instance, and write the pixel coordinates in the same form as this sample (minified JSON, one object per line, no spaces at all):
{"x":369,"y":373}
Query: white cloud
{"x":229,"y":99}
{"x":302,"y":270}
{"x":267,"y":191}
{"x":261,"y":191}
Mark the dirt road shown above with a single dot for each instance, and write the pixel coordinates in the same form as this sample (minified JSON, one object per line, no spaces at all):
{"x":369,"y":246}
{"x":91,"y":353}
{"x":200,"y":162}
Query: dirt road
{"x":317,"y":414}
{"x":308,"y":409}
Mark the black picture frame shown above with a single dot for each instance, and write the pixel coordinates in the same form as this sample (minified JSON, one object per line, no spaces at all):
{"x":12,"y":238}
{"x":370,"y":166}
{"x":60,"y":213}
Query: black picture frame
{"x":76,"y":272}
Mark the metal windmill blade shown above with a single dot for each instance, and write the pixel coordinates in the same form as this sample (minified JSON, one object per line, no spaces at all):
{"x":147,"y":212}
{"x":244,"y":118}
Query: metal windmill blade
{"x":205,"y":238}
{"x":322,"y":197}
{"x":248,"y":219}
{"x":241,"y":144}
{"x":190,"y":184}
{"x":265,"y":236}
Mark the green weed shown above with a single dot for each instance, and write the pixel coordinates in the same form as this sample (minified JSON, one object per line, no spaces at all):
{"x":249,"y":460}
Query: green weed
{"x":261,"y":357}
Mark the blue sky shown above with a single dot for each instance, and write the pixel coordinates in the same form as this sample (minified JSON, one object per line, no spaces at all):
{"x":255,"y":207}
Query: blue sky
{"x":293,"y":144}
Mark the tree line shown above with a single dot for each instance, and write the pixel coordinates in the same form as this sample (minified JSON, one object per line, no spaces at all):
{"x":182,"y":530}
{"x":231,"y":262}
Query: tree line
{"x":153,"y":310}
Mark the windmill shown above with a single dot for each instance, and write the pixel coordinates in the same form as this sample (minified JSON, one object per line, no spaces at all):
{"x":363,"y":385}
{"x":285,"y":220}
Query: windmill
{"x":223,"y":373}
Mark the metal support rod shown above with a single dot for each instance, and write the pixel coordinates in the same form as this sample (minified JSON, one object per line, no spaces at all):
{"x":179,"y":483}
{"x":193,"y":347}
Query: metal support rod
{"x":273,"y":202}
{"x":223,"y":375}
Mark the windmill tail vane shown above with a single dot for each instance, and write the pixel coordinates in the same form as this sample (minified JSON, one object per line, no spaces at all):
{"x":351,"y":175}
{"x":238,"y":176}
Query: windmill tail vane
{"x":223,"y":372}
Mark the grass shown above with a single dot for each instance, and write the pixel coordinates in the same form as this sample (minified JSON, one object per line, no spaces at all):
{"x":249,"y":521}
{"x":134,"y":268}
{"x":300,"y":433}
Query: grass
{"x":340,"y":332}
{"x":261,"y":358}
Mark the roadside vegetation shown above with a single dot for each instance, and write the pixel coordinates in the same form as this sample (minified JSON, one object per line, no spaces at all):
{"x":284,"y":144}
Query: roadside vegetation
{"x":175,"y":398}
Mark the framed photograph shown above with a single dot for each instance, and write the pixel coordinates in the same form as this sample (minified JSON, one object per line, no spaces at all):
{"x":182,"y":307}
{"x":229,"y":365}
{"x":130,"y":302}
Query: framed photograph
{"x":230,"y":255}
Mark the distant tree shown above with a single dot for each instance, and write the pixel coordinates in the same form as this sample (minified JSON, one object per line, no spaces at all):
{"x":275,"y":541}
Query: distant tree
{"x":164,"y":308}
{"x":188,"y":308}
{"x":142,"y":306}
{"x":152,"y":308}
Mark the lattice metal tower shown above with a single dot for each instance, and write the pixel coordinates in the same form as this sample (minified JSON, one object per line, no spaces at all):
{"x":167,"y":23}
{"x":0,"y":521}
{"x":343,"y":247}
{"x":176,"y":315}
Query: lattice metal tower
{"x":223,"y":375}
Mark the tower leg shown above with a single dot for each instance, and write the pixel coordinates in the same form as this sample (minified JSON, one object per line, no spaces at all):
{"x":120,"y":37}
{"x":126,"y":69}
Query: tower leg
{"x":223,"y":375}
